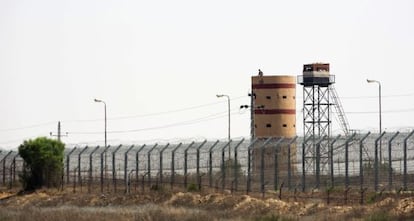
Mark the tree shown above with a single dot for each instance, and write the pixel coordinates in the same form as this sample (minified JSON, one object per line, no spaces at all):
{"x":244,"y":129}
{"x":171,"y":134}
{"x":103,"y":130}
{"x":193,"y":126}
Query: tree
{"x":43,"y":163}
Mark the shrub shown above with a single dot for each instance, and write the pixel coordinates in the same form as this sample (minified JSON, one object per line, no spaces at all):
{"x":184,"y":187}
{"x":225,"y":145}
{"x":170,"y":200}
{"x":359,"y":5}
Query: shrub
{"x":43,"y":163}
{"x":192,"y":187}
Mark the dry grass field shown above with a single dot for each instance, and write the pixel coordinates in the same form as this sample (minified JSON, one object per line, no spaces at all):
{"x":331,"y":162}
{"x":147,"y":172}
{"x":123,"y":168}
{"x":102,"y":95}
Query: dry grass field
{"x":44,"y":205}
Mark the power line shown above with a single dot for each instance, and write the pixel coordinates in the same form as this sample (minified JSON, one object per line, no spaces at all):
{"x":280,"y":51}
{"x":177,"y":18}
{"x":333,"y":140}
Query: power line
{"x":388,"y":111}
{"x":193,"y":121}
{"x":384,"y":96}
{"x":156,"y":113}
{"x":176,"y":124}
{"x":15,"y":140}
{"x":372,"y":97}
{"x":122,"y":117}
{"x":28,"y":127}
{"x":217,"y":116}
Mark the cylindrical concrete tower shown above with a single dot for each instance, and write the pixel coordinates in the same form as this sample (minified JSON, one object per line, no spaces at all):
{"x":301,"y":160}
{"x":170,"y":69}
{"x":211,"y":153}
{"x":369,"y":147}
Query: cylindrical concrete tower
{"x":274,"y":116}
{"x":274,"y":106}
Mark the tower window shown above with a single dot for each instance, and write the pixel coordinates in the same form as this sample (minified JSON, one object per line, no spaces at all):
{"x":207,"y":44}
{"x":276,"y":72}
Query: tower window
{"x":284,"y":97}
{"x":294,"y":97}
{"x":268,"y":125}
{"x":268,"y":97}
{"x":284,"y":125}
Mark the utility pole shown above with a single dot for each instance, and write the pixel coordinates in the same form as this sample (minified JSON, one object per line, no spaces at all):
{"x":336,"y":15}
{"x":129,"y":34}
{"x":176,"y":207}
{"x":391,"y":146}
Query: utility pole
{"x":380,"y":118}
{"x":58,"y":135}
{"x":228,"y":104}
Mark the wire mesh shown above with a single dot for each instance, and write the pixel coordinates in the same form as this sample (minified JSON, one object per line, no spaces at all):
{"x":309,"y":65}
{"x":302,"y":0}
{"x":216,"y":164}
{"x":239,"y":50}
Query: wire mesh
{"x":240,"y":165}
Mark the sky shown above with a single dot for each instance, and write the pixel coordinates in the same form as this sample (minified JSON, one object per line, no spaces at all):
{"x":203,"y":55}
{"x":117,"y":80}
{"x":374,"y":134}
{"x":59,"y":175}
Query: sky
{"x":159,"y":65}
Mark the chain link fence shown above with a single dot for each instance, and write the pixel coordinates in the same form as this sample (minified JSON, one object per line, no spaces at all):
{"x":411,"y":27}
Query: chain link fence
{"x":363,"y":162}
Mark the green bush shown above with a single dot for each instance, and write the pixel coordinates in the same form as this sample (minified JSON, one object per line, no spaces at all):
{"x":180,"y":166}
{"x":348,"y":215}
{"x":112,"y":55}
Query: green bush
{"x":192,"y":187}
{"x":43,"y":163}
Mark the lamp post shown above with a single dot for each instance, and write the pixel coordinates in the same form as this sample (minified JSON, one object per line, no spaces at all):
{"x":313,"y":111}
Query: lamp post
{"x":101,"y":101}
{"x":228,"y":103}
{"x":380,"y":118}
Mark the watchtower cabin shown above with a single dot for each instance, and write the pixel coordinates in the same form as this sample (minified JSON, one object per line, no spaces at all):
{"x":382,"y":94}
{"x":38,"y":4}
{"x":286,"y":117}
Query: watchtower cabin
{"x":316,"y":74}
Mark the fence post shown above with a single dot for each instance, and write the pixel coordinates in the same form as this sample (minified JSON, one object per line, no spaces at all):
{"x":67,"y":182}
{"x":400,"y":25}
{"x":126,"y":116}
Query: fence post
{"x":390,"y":160}
{"x":347,"y":159}
{"x":13,"y":171}
{"x":236,"y":166}
{"x":102,"y":166}
{"x":128,"y":181}
{"x":90,"y":168}
{"x":318,"y":162}
{"x":223,"y":166}
{"x":79,"y":165}
{"x":173,"y":162}
{"x":137,"y":162}
{"x":405,"y":176}
{"x":276,"y":162}
{"x":161,"y":159}
{"x":262,"y":165}
{"x":149,"y":163}
{"x":74,"y":180}
{"x":114,"y":168}
{"x":13,"y":176}
{"x":362,"y":191}
{"x":4,"y":166}
{"x":68,"y":163}
{"x":198,"y":162}
{"x":361,"y":164}
{"x":303,"y":164}
{"x":210,"y":164}
{"x":126,"y":175}
{"x":185,"y":165}
{"x":346,"y":194}
{"x":249,"y":171}
{"x":331,"y":161}
{"x":293,"y":140}
{"x":376,"y":162}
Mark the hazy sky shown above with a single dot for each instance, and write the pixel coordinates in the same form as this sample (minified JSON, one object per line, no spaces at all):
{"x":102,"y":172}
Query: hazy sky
{"x":159,"y":64}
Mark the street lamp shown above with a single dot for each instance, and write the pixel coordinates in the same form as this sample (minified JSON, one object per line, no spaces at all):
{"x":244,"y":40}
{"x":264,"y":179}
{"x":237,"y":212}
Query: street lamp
{"x":380,"y":123}
{"x":228,"y":103}
{"x":101,"y":101}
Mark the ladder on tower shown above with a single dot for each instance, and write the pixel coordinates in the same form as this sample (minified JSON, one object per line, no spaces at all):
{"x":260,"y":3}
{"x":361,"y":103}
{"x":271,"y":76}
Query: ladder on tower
{"x":340,"y":113}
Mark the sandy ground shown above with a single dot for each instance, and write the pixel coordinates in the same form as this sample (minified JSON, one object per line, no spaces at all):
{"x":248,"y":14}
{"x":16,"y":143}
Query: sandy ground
{"x":235,"y":205}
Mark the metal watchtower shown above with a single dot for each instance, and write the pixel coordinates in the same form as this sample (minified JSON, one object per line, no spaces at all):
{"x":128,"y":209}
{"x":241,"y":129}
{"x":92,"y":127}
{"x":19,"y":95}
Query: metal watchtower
{"x":316,"y":81}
